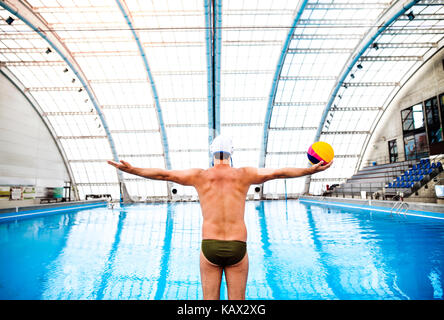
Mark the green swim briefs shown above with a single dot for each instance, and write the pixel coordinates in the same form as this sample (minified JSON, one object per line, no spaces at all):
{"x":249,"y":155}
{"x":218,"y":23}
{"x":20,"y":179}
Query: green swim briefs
{"x":224,"y":252}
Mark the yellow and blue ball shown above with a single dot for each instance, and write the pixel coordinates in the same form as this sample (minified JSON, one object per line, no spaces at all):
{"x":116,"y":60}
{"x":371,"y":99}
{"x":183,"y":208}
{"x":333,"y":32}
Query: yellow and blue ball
{"x":320,"y":151}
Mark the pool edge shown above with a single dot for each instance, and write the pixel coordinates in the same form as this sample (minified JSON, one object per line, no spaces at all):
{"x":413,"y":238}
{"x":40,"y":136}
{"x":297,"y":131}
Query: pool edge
{"x":425,"y":210}
{"x":20,"y":213}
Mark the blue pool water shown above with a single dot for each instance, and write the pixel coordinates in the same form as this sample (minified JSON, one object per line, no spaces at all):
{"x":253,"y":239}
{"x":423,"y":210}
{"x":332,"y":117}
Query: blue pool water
{"x":297,"y":251}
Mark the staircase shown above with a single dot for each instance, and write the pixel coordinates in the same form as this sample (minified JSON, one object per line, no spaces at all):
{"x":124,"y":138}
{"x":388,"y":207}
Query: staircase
{"x":370,"y":179}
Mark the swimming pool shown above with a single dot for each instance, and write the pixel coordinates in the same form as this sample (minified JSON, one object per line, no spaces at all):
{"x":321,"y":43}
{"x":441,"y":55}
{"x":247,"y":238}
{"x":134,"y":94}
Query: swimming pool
{"x":297,"y":250}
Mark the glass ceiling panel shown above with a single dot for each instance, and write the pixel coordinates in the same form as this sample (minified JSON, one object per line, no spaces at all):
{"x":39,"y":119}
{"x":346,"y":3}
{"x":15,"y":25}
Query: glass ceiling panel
{"x":237,"y":112}
{"x":86,"y":149}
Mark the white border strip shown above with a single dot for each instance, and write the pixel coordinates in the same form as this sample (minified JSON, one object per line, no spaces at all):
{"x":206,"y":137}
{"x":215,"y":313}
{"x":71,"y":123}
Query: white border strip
{"x":369,"y":208}
{"x":67,"y":208}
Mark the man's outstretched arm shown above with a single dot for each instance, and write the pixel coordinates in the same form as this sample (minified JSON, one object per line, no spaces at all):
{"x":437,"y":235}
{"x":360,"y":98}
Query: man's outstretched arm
{"x":184,"y":177}
{"x":261,"y":175}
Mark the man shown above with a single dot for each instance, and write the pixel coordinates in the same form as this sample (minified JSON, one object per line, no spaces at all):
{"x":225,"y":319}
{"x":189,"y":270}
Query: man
{"x":222,"y":191}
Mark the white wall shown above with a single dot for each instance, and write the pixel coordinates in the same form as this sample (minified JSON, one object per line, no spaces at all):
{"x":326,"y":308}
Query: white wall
{"x":427,"y":82}
{"x":28,"y":153}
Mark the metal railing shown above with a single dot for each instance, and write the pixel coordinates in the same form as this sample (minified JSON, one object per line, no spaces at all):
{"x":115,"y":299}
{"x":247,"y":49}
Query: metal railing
{"x":399,"y":208}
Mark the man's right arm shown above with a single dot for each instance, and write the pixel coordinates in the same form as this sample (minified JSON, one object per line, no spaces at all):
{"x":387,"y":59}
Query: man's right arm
{"x":261,"y":175}
{"x":185,"y":177}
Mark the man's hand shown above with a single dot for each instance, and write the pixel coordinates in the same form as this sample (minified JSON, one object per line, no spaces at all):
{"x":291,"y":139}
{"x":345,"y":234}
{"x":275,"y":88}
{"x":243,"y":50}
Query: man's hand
{"x":318,"y":167}
{"x":123,"y":165}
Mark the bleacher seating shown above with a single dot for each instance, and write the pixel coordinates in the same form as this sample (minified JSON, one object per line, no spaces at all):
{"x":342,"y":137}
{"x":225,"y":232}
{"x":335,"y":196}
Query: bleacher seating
{"x":421,"y":171}
{"x":371,"y":179}
{"x":401,"y":177}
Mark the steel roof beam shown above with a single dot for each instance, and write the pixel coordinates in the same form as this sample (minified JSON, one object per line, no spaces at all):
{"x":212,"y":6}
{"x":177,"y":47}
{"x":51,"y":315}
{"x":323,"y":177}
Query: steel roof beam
{"x":318,"y":50}
{"x":370,"y":84}
{"x":318,"y":36}
{"x":34,"y":89}
{"x":384,"y":45}
{"x":307,"y":78}
{"x":421,"y":31}
{"x":242,"y":124}
{"x":299,"y":104}
{"x":346,"y":23}
{"x":390,"y":58}
{"x":48,"y":63}
{"x":68,"y":113}
{"x":345,"y":6}
{"x":80,"y":137}
{"x":344,"y":132}
{"x":293,"y":128}
{"x":127,"y":106}
{"x":359,"y":108}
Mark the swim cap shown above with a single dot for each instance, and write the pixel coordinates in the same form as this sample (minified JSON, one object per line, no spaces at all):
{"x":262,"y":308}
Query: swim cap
{"x":222,"y":144}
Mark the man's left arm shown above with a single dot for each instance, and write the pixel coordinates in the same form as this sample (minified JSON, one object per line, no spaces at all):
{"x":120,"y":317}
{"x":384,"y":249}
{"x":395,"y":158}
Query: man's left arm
{"x":261,"y":175}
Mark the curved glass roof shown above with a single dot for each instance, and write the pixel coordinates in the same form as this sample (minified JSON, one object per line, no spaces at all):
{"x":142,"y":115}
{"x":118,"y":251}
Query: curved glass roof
{"x":151,"y":82}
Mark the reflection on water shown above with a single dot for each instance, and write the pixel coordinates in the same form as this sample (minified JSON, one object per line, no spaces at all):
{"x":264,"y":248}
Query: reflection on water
{"x":296,"y":251}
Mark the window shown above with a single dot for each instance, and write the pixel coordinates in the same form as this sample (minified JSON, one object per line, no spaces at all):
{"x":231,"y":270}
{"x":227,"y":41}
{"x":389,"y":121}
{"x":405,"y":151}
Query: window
{"x":415,"y":146}
{"x":432,"y":117}
{"x":412,"y":118}
{"x":441,"y":102}
{"x":393,"y":151}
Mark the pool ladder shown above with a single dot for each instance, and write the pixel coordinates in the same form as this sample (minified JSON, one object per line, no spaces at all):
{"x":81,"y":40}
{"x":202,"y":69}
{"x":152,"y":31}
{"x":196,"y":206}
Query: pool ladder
{"x":400,"y":207}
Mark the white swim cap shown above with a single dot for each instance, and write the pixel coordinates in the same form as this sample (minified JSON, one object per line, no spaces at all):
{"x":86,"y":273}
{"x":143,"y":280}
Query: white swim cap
{"x":222,"y":144}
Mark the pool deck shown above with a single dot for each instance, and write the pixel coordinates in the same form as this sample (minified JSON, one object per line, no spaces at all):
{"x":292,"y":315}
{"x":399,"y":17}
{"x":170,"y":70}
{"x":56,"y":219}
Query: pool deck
{"x":11,"y":214}
{"x":421,"y":209}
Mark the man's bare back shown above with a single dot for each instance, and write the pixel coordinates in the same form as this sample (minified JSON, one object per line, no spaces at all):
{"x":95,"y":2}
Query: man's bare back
{"x":222,"y":192}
